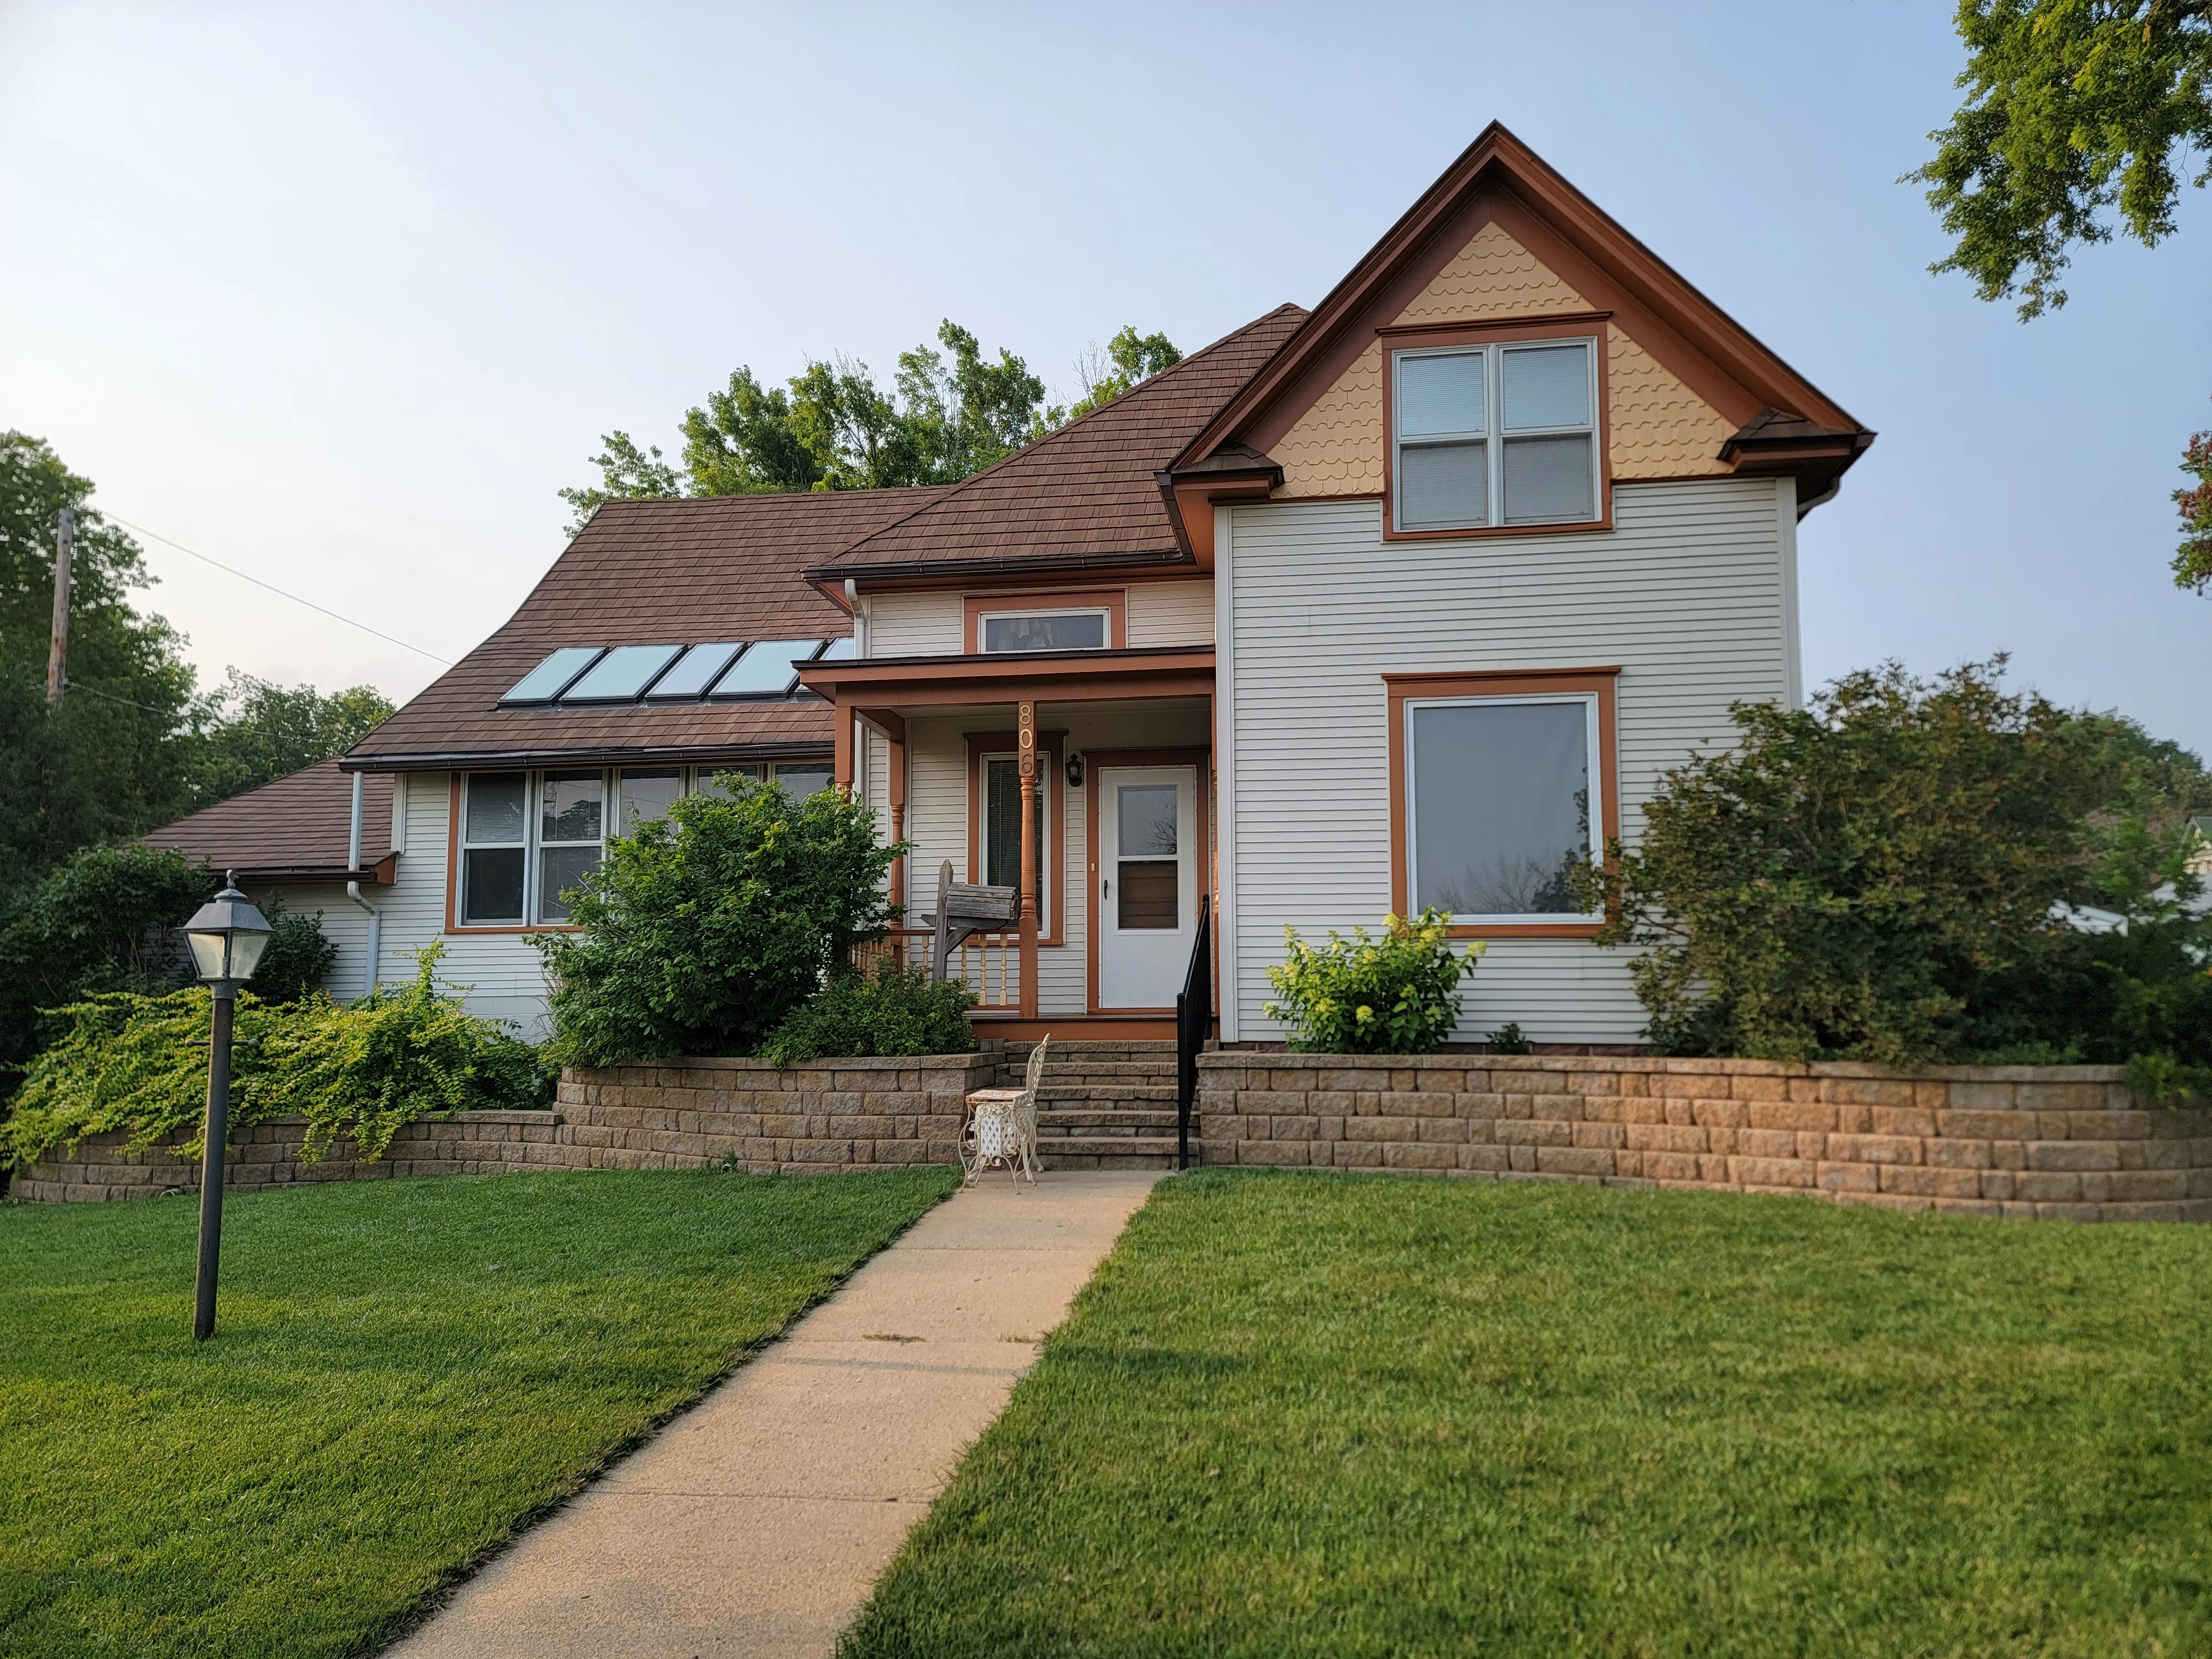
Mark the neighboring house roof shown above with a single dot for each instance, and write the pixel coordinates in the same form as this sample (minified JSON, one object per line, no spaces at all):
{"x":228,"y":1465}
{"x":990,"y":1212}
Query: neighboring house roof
{"x":679,"y":572}
{"x":1499,"y":181}
{"x":294,"y":829}
{"x":1086,"y":495}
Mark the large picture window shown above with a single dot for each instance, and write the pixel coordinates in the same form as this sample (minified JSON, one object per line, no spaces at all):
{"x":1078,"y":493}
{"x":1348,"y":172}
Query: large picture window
{"x":1502,"y":788}
{"x":527,"y":837}
{"x":1495,"y":435}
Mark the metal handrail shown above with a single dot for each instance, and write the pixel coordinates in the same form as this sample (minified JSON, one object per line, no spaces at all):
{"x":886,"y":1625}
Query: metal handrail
{"x":1193,"y":1020}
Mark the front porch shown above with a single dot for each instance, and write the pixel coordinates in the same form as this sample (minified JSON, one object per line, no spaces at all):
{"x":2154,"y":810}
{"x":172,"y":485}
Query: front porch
{"x":1083,"y":780}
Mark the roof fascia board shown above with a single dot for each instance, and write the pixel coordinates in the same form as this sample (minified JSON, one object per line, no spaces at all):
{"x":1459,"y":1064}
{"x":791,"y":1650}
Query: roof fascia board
{"x":482,"y":760}
{"x":1498,"y":165}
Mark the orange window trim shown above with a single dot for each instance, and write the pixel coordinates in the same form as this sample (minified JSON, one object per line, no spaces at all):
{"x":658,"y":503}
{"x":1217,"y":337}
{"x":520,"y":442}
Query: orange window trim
{"x":976,"y":606}
{"x":1569,"y":325}
{"x":1499,"y":683}
{"x":1051,"y":747}
{"x":456,"y":783}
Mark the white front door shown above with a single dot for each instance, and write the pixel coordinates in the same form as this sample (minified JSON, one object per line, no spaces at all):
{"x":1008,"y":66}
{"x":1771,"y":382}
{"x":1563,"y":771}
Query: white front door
{"x":1147,"y":883}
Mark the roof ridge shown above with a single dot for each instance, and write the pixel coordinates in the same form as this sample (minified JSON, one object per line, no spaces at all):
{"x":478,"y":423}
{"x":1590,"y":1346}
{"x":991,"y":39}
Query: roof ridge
{"x":1149,"y":383}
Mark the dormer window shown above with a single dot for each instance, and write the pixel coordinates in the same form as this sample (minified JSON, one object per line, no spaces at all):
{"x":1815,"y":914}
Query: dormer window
{"x":1495,"y":435}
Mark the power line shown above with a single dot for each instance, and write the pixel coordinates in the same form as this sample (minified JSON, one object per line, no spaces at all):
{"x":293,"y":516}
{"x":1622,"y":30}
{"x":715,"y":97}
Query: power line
{"x":79,"y":685}
{"x":280,"y":592}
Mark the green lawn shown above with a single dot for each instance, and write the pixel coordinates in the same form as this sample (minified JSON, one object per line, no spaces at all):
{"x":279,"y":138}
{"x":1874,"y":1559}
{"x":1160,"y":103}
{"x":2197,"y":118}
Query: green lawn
{"x":403,"y":1372}
{"x":1310,"y":1414}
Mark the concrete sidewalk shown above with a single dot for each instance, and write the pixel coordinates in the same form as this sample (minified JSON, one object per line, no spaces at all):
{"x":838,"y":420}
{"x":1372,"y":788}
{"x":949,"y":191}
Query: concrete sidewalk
{"x":756,"y":1522}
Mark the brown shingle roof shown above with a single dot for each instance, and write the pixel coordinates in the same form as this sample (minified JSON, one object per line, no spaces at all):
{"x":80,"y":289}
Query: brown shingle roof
{"x":293,"y":829}
{"x":1086,"y":495}
{"x":650,"y":572}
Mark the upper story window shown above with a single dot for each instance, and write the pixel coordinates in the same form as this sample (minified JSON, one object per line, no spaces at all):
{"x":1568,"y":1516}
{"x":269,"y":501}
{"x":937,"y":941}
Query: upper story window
{"x":1043,"y":630}
{"x":1496,"y":436}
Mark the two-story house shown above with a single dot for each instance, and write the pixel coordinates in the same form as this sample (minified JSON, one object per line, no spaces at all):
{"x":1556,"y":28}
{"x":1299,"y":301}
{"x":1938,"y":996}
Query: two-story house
{"x":1409,"y":599}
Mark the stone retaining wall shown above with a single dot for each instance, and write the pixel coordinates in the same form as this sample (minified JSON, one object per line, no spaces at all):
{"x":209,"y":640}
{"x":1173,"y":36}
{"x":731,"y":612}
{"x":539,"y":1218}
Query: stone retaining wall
{"x":2050,"y":1142}
{"x":676,"y":1115}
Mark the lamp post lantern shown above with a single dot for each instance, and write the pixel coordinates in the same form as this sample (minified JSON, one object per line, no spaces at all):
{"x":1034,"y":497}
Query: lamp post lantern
{"x":227,"y":935}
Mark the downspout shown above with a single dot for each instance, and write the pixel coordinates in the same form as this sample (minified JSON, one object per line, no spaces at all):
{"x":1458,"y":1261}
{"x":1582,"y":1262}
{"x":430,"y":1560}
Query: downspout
{"x":1834,"y":489}
{"x":353,"y":891}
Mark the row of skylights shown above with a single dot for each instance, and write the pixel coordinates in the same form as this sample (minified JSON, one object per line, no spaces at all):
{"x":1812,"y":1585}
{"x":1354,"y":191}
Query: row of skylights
{"x":586,"y":674}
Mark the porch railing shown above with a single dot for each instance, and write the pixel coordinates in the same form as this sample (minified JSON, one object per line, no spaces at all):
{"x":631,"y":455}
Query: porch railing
{"x":991,"y":963}
{"x":1193,"y":1020}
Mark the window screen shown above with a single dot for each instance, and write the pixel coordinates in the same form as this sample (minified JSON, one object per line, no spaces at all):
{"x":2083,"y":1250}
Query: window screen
{"x":766,"y":669}
{"x":804,"y":778}
{"x":1492,"y":434}
{"x":570,"y":821}
{"x":544,"y":683}
{"x":1046,"y":630}
{"x":620,"y":674}
{"x":1548,"y":476}
{"x":644,"y":795}
{"x":492,"y":828}
{"x":1148,"y":872}
{"x":1501,"y":808}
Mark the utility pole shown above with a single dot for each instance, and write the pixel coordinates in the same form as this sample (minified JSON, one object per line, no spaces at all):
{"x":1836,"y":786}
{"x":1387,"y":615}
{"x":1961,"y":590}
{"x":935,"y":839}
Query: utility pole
{"x":58,"y":653}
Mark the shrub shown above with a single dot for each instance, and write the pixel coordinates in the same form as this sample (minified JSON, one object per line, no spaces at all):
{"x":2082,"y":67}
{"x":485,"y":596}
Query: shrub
{"x":897,"y":1013}
{"x":138,"y":1063}
{"x":1395,"y":995}
{"x":1888,"y":874}
{"x":704,"y":930}
{"x":298,"y":958}
{"x":105,"y":920}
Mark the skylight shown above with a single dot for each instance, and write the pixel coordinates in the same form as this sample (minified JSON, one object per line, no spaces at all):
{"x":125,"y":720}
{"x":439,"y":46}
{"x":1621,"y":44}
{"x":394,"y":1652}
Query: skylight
{"x":693,"y":672}
{"x":552,"y":676}
{"x":839,"y":651}
{"x":769,"y":669}
{"x":622,"y":674}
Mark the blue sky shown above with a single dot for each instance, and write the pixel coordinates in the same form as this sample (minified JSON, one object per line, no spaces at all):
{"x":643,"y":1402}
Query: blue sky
{"x":341,"y":296}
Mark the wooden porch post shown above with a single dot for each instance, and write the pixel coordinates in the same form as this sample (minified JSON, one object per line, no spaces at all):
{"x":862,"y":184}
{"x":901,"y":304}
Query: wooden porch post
{"x":1026,"y":721}
{"x":841,"y":765}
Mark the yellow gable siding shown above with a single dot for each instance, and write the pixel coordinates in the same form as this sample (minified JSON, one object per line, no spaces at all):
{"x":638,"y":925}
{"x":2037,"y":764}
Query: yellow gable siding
{"x":1658,"y":427}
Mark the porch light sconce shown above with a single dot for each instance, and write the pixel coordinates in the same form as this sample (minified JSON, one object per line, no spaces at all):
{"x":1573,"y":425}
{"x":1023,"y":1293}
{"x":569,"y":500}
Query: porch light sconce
{"x":227,"y":935}
{"x":1075,"y":770}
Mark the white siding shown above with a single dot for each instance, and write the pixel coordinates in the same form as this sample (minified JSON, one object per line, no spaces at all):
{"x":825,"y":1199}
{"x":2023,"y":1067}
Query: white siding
{"x":1172,"y":613}
{"x":343,"y":923}
{"x":1687,"y":595}
{"x":914,"y":624}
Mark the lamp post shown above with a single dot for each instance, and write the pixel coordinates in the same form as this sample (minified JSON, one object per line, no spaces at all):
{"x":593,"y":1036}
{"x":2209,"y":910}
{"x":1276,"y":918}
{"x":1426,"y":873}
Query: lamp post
{"x":227,"y":935}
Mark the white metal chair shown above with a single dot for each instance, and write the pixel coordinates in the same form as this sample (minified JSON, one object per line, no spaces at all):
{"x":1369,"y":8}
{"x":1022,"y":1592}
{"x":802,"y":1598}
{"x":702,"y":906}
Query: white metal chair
{"x":1001,"y":1127}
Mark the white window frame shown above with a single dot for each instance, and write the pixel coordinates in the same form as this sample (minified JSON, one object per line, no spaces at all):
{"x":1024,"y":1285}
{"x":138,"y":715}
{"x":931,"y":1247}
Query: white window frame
{"x":1048,"y":786}
{"x":1031,"y":613}
{"x":464,"y":846}
{"x":1595,"y":771}
{"x":1494,"y":434}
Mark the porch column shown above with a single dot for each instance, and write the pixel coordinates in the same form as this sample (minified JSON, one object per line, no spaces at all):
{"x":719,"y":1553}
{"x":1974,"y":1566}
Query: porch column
{"x":1025,"y":722}
{"x":842,"y":763}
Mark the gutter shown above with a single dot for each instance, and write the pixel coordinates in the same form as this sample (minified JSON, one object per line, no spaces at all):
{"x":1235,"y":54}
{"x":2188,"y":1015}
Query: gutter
{"x":353,"y":891}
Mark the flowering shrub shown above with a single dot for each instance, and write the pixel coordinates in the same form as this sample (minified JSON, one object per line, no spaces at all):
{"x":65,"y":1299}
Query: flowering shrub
{"x":1395,"y":995}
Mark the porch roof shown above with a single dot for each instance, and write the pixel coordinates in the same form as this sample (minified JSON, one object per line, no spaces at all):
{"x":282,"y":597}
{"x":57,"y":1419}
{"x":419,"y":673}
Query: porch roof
{"x":1173,"y":671}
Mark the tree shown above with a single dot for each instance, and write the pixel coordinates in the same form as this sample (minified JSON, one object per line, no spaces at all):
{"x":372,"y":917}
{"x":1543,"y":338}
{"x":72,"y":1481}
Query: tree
{"x":251,"y":731}
{"x":1872,"y":878}
{"x":951,"y":411}
{"x":1129,"y":358}
{"x":110,"y":764}
{"x":2075,"y":110}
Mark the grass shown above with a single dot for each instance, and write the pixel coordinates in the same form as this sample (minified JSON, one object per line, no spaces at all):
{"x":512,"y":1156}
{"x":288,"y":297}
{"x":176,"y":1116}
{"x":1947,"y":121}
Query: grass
{"x":403,"y":1373}
{"x":1315,"y":1414}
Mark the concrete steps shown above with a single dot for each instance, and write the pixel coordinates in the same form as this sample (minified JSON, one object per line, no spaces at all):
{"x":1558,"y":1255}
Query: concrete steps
{"x":1107,"y":1104}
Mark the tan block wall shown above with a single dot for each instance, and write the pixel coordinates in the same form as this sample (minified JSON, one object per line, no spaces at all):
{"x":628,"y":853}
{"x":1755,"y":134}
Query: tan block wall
{"x":845,"y":1114}
{"x":2050,"y":1143}
{"x":1657,"y":427}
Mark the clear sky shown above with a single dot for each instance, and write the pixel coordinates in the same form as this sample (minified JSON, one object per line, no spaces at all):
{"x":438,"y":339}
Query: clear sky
{"x":341,"y":295}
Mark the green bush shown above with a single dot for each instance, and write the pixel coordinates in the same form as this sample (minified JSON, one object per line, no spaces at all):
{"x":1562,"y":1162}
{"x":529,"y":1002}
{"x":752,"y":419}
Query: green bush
{"x":298,"y":958}
{"x":1395,"y":995}
{"x":138,"y":1063}
{"x":105,"y":920}
{"x":897,"y":1013}
{"x":704,"y":930}
{"x":1885,"y":876}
